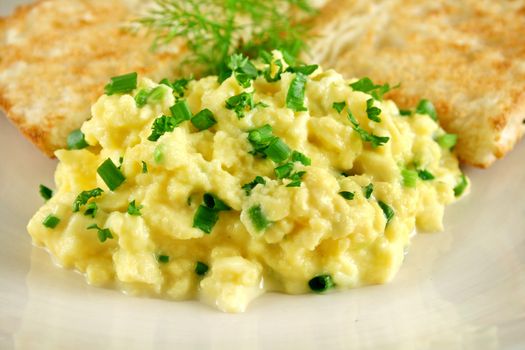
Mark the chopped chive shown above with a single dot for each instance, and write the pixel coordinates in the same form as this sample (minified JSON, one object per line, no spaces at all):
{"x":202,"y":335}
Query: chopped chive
{"x":156,"y":94}
{"x":257,"y":217}
{"x":260,"y":138}
{"x":296,"y":92}
{"x":283,"y":171}
{"x":296,"y":179}
{"x":368,"y":189}
{"x":144,"y":167}
{"x":84,"y":197}
{"x":215,"y":203}
{"x":201,"y":268}
{"x":180,"y":111}
{"x":240,"y":104}
{"x":277,"y":150}
{"x":141,"y":98}
{"x":447,"y":141}
{"x":339,"y":106}
{"x":203,"y":120}
{"x":91,"y":209}
{"x":102,"y":233}
{"x":158,"y":154}
{"x":163,"y":259}
{"x":387,"y":210}
{"x":111,"y":175}
{"x":45,"y":192}
{"x":425,"y":175}
{"x":134,"y":209}
{"x":299,"y":157}
{"x":304,"y":69}
{"x":121,"y":84}
{"x":461,"y":186}
{"x":347,"y":195}
{"x":321,"y":283}
{"x":405,"y":112}
{"x":205,"y":218}
{"x":259,"y":180}
{"x":76,"y":140}
{"x":51,"y":221}
{"x":426,"y":107}
{"x":372,"y":112}
{"x":409,"y":177}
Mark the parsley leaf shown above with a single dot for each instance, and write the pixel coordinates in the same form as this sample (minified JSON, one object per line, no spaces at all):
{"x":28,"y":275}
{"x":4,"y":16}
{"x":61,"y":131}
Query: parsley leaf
{"x":134,"y":209}
{"x":375,"y":140}
{"x":339,"y":106}
{"x":84,"y":197}
{"x":426,"y":107}
{"x":366,"y":85}
{"x":372,"y":112}
{"x":162,"y":125}
{"x":103,"y":233}
{"x":240,"y":104}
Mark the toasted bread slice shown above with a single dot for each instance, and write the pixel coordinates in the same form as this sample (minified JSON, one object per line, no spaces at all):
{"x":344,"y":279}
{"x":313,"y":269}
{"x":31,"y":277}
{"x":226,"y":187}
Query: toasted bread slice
{"x":467,"y":56}
{"x":57,"y":55}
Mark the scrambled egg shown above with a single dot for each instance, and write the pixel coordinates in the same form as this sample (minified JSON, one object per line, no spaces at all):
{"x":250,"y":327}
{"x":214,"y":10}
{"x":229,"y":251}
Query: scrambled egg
{"x":347,"y":218}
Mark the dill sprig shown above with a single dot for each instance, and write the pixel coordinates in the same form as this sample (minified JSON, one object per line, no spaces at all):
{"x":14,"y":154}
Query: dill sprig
{"x":216,"y":29}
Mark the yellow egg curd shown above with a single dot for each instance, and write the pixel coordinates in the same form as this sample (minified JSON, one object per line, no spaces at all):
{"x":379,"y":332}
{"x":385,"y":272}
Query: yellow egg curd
{"x":289,"y":179}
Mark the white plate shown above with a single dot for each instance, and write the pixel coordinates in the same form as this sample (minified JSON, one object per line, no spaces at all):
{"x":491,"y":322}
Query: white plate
{"x":460,"y":289}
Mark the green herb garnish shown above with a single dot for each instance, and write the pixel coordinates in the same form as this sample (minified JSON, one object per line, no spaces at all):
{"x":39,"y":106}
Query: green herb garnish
{"x":51,"y":221}
{"x":347,"y":195}
{"x":339,"y":106}
{"x":201,"y":268}
{"x":76,"y":140}
{"x":366,"y":85}
{"x":121,"y":84}
{"x":409,"y":177}
{"x":134,"y":209}
{"x":158,"y":153}
{"x":84,"y":197}
{"x":301,"y":158}
{"x":215,"y":203}
{"x":367,"y":190}
{"x":321,"y":283}
{"x":304,"y":69}
{"x":461,"y":186}
{"x":144,"y":167}
{"x":45,"y":192}
{"x":258,"y":219}
{"x":141,"y":98}
{"x":203,"y":120}
{"x":162,"y":125}
{"x":296,"y":179}
{"x":180,"y":112}
{"x":425,"y":175}
{"x":103,"y":233}
{"x":163,"y":259}
{"x":372,"y":112}
{"x":374,"y":140}
{"x":284,"y":171}
{"x":387,"y":210}
{"x":447,"y":141}
{"x":240,"y":104}
{"x":405,"y":112}
{"x":296,"y":92}
{"x":111,"y":175}
{"x":91,"y":209}
{"x":426,"y":107}
{"x":268,"y":71}
{"x":259,"y":180}
{"x":277,"y":150}
{"x":156,"y":94}
{"x":205,"y":218}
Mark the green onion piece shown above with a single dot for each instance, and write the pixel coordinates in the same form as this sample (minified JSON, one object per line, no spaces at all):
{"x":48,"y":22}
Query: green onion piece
{"x":162,"y":125}
{"x":103,"y":233}
{"x":321,"y":283}
{"x":76,"y":140}
{"x":296,"y":179}
{"x":251,"y":185}
{"x":84,"y":197}
{"x":296,"y":92}
{"x":156,"y":94}
{"x":201,"y":268}
{"x":163,"y":259}
{"x":339,"y":106}
{"x":258,"y":219}
{"x":277,"y":150}
{"x":240,"y":104}
{"x":405,"y":112}
{"x":368,"y":189}
{"x":133,"y":209}
{"x":304,"y":69}
{"x":409,"y":177}
{"x":205,"y":218}
{"x":447,"y":141}
{"x":387,"y":210}
{"x":111,"y":175}
{"x":426,"y":107}
{"x":51,"y":221}
{"x":374,"y":140}
{"x":347,"y":195}
{"x":180,"y":111}
{"x":158,"y":154}
{"x":260,"y":138}
{"x":283,"y":171}
{"x":203,"y":120}
{"x":121,"y":84}
{"x":45,"y":192}
{"x":144,"y":167}
{"x":141,"y":98}
{"x":461,"y":186}
{"x":372,"y":112}
{"x":299,"y":157}
{"x":425,"y":175}
{"x":215,"y":203}
{"x":91,"y":209}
